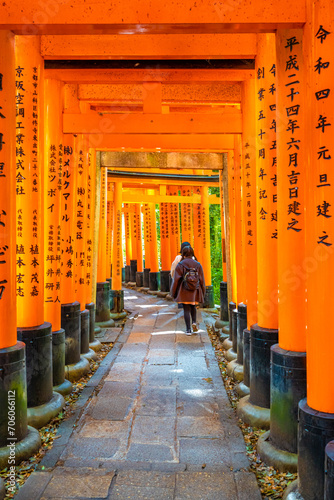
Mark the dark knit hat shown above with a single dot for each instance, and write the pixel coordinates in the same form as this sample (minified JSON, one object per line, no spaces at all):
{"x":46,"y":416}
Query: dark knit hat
{"x":184,"y":244}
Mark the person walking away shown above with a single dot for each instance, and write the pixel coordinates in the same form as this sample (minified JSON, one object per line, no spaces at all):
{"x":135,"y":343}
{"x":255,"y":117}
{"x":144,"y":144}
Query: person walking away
{"x":178,"y":258}
{"x":188,"y":287}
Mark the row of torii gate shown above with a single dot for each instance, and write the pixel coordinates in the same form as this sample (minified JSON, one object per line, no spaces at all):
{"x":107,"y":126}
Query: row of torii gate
{"x":277,"y":195}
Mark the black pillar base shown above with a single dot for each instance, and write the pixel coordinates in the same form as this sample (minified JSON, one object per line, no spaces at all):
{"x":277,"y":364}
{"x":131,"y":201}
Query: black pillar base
{"x":77,"y":370}
{"x":231,"y":354}
{"x":164,"y":281}
{"x":60,"y":384}
{"x":235,"y":370}
{"x":139,"y":279}
{"x":86,"y":352}
{"x":123,"y":273}
{"x":255,"y":408}
{"x":239,"y":322}
{"x":246,"y":357}
{"x":64,"y":389}
{"x":231,"y":307}
{"x":146,"y":279}
{"x":38,"y":341}
{"x":261,"y":340}
{"x":13,"y":388}
{"x":43,"y":403}
{"x":329,"y":471}
{"x":315,"y":431}
{"x":94,"y":344}
{"x":116,"y":301}
{"x":102,"y":311}
{"x":70,"y":322}
{"x":241,"y":326}
{"x":288,"y":387}
{"x":24,"y":449}
{"x":242,"y":389}
{"x":154,"y":281}
{"x":91,"y":309}
{"x":39,"y":416}
{"x":223,"y":301}
{"x":127,"y":274}
{"x":84,"y":331}
{"x":209,"y":301}
{"x":133,"y":271}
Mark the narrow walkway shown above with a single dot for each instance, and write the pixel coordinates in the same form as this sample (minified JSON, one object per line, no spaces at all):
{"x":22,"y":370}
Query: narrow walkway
{"x":159,"y":425}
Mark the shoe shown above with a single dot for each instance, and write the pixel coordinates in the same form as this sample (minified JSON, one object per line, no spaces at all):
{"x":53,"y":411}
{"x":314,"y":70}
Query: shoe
{"x":188,"y":332}
{"x":194,"y":327}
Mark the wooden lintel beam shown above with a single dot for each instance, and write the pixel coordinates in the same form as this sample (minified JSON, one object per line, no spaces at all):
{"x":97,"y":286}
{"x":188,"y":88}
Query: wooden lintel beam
{"x":147,"y":185}
{"x":183,"y":16}
{"x":152,"y":123}
{"x":146,"y":46}
{"x":133,"y":197}
{"x":100,"y":76}
{"x":162,"y":142}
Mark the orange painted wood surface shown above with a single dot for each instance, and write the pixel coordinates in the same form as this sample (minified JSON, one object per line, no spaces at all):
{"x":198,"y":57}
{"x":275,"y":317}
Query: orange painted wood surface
{"x":217,"y":46}
{"x":102,"y":273}
{"x":168,"y":142}
{"x":319,"y":260}
{"x":53,"y":164}
{"x":8,"y":314}
{"x":149,"y":16}
{"x":266,"y":175}
{"x":291,"y":145}
{"x":249,"y":198}
{"x":29,"y":182}
{"x":182,"y":123}
{"x":117,"y":239}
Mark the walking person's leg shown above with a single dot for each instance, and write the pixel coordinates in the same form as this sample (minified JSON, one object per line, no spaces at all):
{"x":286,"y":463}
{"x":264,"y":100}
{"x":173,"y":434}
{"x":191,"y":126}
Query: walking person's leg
{"x":193,"y":317}
{"x":186,"y":313}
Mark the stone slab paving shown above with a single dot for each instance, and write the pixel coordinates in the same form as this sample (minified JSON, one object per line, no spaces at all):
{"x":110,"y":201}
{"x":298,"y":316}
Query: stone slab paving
{"x":154,"y":423}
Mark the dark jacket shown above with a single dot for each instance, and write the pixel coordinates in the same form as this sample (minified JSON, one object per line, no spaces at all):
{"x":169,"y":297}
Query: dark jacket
{"x":178,"y":291}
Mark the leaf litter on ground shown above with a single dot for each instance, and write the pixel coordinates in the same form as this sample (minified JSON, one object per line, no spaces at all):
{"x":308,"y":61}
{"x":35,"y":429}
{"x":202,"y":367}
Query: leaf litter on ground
{"x":48,"y":432}
{"x":272,"y":482}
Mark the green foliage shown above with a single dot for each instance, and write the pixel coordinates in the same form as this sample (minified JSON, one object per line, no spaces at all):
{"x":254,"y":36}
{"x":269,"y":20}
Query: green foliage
{"x":216,"y":246}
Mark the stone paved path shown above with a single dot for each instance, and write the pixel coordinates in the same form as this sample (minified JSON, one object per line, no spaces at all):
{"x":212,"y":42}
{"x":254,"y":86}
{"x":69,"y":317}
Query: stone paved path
{"x":155,"y":421}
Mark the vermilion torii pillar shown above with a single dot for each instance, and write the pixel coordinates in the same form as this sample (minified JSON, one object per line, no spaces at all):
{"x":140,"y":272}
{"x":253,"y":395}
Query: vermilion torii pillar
{"x":239,"y":315}
{"x":90,"y":283}
{"x":76,"y":365}
{"x":232,"y":194}
{"x":174,"y":223}
{"x":197,"y":224}
{"x":206,"y":256}
{"x":128,"y":241}
{"x":164,"y":248}
{"x":288,"y":357}
{"x":139,"y":243}
{"x":231,"y":222}
{"x":187,"y":227}
{"x":133,"y":261}
{"x":255,"y":408}
{"x":117,"y":294}
{"x":43,"y":403}
{"x":249,"y":222}
{"x":13,"y":386}
{"x":102,"y":286}
{"x":81,"y":159}
{"x":317,"y":411}
{"x":154,"y":279}
{"x":53,"y":172}
{"x":147,"y":268}
{"x":110,"y":214}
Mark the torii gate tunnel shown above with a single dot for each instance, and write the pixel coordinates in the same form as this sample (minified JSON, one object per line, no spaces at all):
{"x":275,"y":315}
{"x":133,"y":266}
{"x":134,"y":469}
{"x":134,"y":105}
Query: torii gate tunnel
{"x":114,"y":119}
